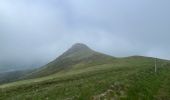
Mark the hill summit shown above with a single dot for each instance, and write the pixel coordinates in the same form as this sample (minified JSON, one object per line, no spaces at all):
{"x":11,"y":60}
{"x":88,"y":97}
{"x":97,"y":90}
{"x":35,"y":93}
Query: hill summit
{"x":77,"y":51}
{"x":79,"y":46}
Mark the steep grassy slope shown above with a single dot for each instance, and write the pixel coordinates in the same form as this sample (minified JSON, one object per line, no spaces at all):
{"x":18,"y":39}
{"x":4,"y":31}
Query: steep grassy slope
{"x":130,"y":78}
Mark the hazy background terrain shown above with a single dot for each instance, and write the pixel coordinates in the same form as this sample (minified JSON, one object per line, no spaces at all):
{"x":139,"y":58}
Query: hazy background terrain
{"x":34,"y":32}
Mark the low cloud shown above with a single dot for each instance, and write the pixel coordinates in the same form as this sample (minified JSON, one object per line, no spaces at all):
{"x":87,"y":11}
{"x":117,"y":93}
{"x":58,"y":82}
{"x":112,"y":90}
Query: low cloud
{"x":40,"y":30}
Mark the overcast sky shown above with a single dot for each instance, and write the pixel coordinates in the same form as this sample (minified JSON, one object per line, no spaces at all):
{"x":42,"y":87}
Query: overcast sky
{"x":41,"y":30}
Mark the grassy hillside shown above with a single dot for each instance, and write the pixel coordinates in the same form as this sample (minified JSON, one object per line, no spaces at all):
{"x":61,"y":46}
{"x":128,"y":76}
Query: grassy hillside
{"x":130,"y":78}
{"x":83,"y":74}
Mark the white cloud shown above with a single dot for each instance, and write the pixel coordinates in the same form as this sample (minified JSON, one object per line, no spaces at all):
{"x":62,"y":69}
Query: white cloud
{"x":44,"y":29}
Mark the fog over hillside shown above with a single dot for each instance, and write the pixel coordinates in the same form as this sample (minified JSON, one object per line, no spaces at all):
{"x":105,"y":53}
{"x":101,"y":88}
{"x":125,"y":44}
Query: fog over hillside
{"x":34,"y":32}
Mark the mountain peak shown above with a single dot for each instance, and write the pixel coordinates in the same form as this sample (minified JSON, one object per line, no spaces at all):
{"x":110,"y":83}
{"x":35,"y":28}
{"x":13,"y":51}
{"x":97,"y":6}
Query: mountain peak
{"x":77,"y":50}
{"x":78,"y":54}
{"x":79,"y":46}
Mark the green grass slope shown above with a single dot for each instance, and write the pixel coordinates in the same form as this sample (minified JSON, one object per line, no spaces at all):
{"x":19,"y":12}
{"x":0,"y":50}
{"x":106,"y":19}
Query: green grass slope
{"x":130,"y":78}
{"x":83,"y":74}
